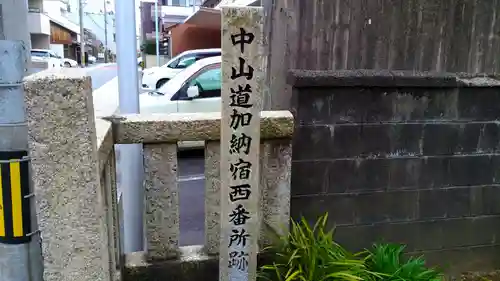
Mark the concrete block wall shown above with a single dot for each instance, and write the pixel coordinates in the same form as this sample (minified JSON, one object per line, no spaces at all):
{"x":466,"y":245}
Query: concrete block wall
{"x":403,"y":157}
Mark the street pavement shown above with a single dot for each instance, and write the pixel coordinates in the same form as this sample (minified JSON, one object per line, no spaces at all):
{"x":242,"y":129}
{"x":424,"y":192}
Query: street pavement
{"x":101,"y":74}
{"x":191,"y":180}
{"x":191,"y":197}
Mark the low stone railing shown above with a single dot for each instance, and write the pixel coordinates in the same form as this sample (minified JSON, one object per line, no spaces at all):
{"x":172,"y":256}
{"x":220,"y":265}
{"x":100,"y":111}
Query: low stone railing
{"x":75,"y":181}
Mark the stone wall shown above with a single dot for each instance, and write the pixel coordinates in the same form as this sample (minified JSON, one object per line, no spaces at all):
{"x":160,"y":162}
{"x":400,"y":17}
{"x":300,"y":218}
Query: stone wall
{"x":401,"y":157}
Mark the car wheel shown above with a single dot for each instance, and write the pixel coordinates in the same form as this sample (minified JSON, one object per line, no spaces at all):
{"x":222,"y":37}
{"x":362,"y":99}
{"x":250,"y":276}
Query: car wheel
{"x":161,"y":83}
{"x":67,"y":64}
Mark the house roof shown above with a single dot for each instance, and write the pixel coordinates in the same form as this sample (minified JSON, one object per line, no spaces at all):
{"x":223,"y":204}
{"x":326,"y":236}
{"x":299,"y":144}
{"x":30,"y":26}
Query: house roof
{"x":206,"y":17}
{"x":62,"y":21}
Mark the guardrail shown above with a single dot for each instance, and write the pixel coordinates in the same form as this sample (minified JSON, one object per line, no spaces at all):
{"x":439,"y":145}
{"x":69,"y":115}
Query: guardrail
{"x":73,"y":165}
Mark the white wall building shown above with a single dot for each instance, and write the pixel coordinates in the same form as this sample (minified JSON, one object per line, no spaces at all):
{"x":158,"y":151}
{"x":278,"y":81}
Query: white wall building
{"x":46,"y":18}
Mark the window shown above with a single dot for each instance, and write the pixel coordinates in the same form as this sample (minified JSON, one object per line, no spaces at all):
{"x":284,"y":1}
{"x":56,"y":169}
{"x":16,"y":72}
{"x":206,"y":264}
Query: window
{"x":181,"y":3}
{"x":183,"y":62}
{"x":206,"y":55}
{"x":209,"y":82}
{"x":40,"y":54}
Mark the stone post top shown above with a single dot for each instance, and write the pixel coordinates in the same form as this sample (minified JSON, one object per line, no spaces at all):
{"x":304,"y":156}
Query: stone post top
{"x":57,"y":74}
{"x":388,"y":78}
{"x":158,"y":128}
{"x":196,"y":116}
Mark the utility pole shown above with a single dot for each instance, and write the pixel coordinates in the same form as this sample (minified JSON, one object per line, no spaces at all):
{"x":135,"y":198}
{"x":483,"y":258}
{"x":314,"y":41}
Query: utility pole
{"x":14,"y":24}
{"x":20,"y":245}
{"x":130,"y":162}
{"x":2,"y":34}
{"x":157,"y":32}
{"x":82,"y":33}
{"x":143,"y":36}
{"x":105,"y":32}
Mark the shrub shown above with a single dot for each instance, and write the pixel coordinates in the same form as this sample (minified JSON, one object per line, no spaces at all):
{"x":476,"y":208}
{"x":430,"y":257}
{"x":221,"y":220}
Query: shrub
{"x":149,"y":47}
{"x":311,"y":254}
{"x":388,"y":260}
{"x":307,"y":254}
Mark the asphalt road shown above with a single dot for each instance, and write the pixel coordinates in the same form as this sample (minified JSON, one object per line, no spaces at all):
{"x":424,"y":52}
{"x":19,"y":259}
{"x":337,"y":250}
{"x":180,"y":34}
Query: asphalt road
{"x":191,"y":197}
{"x":191,"y":176}
{"x":102,"y":74}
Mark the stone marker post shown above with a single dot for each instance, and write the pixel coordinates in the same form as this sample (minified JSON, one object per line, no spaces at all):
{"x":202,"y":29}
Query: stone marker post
{"x":66,"y":178}
{"x":242,"y":79}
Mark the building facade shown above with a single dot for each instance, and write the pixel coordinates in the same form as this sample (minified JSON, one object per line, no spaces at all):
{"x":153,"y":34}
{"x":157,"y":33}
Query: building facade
{"x":170,"y":13}
{"x":50,"y":29}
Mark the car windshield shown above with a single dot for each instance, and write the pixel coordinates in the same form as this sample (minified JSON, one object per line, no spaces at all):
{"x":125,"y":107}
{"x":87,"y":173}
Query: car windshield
{"x":173,"y":62}
{"x":173,"y":85}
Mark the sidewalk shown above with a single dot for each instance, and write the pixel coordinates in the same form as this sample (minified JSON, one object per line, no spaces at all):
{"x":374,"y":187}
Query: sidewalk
{"x":106,"y":98}
{"x":97,"y":66}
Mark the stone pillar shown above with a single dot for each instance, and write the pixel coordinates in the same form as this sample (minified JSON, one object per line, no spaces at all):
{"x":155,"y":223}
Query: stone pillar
{"x":212,"y":197}
{"x":241,"y":92}
{"x":161,"y":201}
{"x":69,"y":199}
{"x":275,"y":165}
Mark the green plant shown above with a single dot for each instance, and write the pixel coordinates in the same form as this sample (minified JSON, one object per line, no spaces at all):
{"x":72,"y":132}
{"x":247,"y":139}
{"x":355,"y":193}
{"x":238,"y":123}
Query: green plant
{"x":388,"y":260}
{"x":149,"y":47}
{"x":311,"y":254}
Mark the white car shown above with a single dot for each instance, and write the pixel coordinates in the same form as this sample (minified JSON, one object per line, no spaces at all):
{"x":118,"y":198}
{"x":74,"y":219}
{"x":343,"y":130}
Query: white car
{"x":196,"y":89}
{"x":154,"y":77}
{"x":69,"y":62}
{"x":92,"y":59}
{"x":41,"y":55}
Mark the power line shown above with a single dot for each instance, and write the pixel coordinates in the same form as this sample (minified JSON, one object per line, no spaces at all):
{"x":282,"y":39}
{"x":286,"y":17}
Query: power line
{"x":92,"y":19}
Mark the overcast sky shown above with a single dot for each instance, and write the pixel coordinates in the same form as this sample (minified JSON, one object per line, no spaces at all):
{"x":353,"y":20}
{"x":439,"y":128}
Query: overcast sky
{"x":95,"y":6}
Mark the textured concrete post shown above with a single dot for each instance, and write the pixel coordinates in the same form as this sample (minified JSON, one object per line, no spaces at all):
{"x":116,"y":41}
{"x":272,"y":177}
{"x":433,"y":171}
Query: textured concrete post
{"x":212,"y":197}
{"x":276,"y":165}
{"x":161,"y":200}
{"x":65,"y":164}
{"x":110,"y":189}
{"x":242,"y":85}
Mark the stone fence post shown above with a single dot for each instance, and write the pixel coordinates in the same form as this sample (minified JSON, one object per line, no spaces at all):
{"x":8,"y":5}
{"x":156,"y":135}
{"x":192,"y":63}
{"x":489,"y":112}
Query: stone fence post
{"x":69,"y":199}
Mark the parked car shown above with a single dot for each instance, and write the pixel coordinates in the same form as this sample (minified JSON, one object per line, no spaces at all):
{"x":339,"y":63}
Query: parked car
{"x":92,"y":59}
{"x":69,"y":62}
{"x":195,"y":89}
{"x":42,"y":55}
{"x":154,"y":77}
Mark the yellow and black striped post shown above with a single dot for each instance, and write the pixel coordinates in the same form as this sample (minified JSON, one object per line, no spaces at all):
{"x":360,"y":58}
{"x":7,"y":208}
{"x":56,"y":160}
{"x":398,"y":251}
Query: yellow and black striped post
{"x":15,"y":215}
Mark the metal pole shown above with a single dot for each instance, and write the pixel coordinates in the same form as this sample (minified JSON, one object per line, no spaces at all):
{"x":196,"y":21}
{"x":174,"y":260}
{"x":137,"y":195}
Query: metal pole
{"x":82,"y":32}
{"x":105,"y":32}
{"x":14,"y":23}
{"x":2,"y":35}
{"x":130,"y":162}
{"x":143,"y":36}
{"x":157,"y":36}
{"x":20,"y":246}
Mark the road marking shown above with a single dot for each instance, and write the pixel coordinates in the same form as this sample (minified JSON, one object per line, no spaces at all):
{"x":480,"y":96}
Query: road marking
{"x":191,"y":178}
{"x":2,"y":221}
{"x":15,"y":215}
{"x":99,"y":66}
{"x":17,"y":211}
